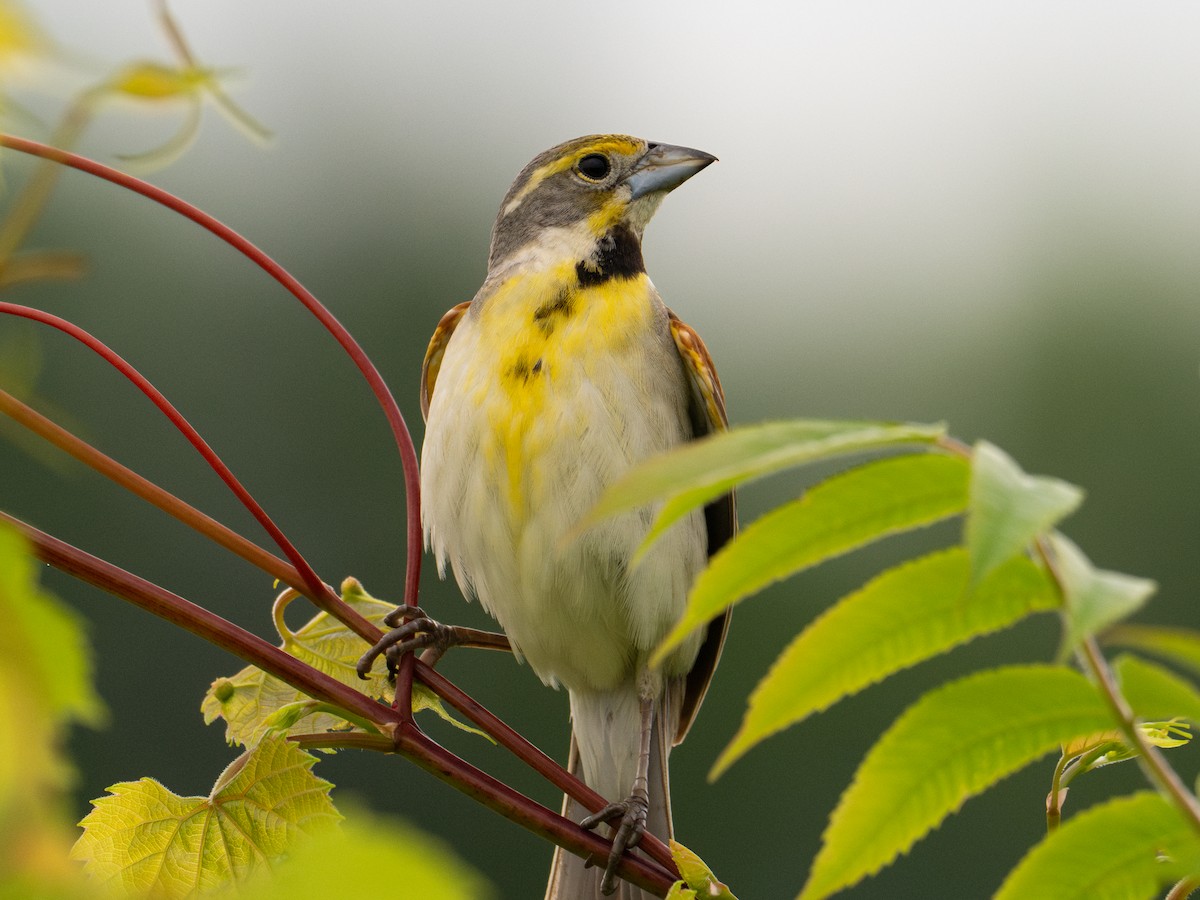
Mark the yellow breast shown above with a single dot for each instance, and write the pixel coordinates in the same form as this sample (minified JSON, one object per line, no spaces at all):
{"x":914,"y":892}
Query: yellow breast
{"x":545,"y":340}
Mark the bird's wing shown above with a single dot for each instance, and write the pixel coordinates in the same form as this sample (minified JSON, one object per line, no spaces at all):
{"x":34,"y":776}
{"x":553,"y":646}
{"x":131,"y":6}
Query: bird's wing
{"x":437,"y":349}
{"x":707,"y":412}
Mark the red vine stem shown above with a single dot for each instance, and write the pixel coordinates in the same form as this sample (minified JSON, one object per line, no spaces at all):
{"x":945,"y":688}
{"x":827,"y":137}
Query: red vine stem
{"x":404,"y":737}
{"x":320,"y":592}
{"x":131,"y":481}
{"x":404,"y":442}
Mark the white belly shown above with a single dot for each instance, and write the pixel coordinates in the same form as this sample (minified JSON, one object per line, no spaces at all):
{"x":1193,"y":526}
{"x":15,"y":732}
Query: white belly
{"x":507,"y":472}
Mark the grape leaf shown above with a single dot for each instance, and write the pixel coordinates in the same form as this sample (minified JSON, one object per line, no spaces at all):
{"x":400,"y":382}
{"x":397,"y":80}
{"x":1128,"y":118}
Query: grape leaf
{"x":145,"y":839}
{"x":354,"y":859}
{"x":253,"y":702}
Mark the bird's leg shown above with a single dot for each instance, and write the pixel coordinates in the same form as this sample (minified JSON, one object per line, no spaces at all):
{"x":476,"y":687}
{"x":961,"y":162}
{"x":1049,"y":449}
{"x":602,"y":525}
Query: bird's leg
{"x":631,"y":811}
{"x":413,"y":630}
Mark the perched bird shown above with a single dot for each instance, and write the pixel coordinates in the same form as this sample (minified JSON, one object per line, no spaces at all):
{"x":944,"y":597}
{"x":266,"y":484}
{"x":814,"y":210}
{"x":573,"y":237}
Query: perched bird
{"x":564,"y":371}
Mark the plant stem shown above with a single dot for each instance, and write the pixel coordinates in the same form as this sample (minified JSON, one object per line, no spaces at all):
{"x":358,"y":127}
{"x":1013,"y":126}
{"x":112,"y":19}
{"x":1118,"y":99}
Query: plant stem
{"x":399,"y":735}
{"x":530,"y":755}
{"x":1054,"y":799}
{"x":1183,"y":889}
{"x":404,"y":443}
{"x":322,"y":595}
{"x":150,"y":492}
{"x":1152,"y":762}
{"x":205,"y":624}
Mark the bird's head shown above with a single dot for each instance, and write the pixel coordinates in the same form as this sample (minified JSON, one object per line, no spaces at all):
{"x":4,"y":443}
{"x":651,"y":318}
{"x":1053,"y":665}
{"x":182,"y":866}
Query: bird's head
{"x":589,"y":198}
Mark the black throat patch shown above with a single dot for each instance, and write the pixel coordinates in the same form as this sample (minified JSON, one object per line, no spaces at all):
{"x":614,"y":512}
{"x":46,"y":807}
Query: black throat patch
{"x":619,"y":256}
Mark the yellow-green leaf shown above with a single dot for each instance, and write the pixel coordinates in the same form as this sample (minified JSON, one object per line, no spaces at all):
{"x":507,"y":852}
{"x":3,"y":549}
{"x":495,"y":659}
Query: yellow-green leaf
{"x":680,"y":891}
{"x":351,"y":860}
{"x":697,"y":473}
{"x":146,"y":839}
{"x":1094,"y":599}
{"x":148,"y":80}
{"x":953,"y":743}
{"x":1179,"y":645}
{"x":253,"y":702}
{"x":1154,"y":692}
{"x":42,"y":639}
{"x":836,"y":516}
{"x":249,"y":698}
{"x":1110,"y":852}
{"x":698,"y":875}
{"x":903,"y":616}
{"x":1009,"y":508}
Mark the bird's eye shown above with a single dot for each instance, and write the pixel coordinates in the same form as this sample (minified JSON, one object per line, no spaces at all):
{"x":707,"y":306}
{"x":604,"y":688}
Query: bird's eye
{"x":594,"y":166}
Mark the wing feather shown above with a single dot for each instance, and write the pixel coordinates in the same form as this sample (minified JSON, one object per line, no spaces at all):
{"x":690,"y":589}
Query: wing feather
{"x":437,"y":349}
{"x":707,"y":412}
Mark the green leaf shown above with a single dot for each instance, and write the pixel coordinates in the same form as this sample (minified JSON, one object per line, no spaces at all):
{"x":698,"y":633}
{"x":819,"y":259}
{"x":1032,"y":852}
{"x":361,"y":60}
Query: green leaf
{"x":1009,"y":508}
{"x":844,"y":512}
{"x":680,"y":891}
{"x":1154,"y":692}
{"x":146,"y":839}
{"x":360,"y":855}
{"x":1094,"y":599}
{"x":42,"y":639}
{"x":1179,"y":645}
{"x":697,"y":874}
{"x":1109,"y":852}
{"x":699,"y":472}
{"x":45,"y":683}
{"x":903,"y":616}
{"x":253,"y":702}
{"x":953,"y":743}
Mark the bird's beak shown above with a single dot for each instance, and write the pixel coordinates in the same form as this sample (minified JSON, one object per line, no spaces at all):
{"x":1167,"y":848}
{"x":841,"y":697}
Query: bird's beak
{"x":665,"y":167}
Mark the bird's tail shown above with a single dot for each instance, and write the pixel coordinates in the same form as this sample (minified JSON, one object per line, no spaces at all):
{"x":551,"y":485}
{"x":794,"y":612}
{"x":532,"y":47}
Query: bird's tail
{"x":605,"y":736}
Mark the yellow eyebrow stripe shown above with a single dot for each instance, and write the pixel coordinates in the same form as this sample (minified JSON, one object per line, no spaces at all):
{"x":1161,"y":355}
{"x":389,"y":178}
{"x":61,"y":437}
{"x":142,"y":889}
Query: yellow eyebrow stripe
{"x":610,"y":144}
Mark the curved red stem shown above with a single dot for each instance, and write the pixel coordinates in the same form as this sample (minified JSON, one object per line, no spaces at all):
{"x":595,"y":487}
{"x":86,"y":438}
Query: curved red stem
{"x":404,"y":442}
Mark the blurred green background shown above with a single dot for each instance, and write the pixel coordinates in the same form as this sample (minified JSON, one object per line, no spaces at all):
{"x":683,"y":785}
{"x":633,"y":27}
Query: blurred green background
{"x":986,"y":213}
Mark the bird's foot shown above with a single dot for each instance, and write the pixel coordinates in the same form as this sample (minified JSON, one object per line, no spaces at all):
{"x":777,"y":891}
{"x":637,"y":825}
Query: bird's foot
{"x":412,"y":631}
{"x":628,"y":819}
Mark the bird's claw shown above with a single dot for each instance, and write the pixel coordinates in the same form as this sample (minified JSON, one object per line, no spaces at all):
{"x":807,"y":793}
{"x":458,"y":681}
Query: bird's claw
{"x":627,"y":832}
{"x":412,"y":630}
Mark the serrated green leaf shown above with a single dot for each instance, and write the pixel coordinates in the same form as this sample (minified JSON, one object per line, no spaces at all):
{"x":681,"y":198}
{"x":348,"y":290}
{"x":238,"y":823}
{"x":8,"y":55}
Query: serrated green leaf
{"x":1179,"y":645}
{"x":1009,"y":508}
{"x":953,"y":743}
{"x":1093,"y":599}
{"x":697,"y":874}
{"x":146,"y":839}
{"x":836,"y":516}
{"x":1109,"y":852}
{"x":699,"y":472}
{"x":901,"y":617}
{"x":1154,"y":692}
{"x":347,"y":861}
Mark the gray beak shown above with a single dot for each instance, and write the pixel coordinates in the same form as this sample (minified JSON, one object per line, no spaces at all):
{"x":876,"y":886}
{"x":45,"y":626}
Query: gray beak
{"x":665,"y":167}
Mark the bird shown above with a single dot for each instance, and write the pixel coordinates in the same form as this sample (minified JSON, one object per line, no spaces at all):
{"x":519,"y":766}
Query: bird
{"x":563,"y":372}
